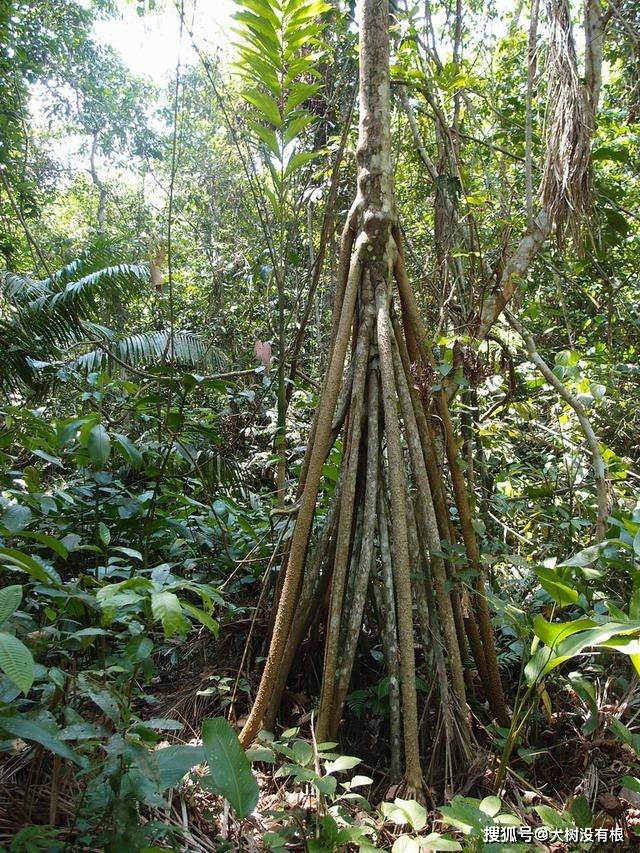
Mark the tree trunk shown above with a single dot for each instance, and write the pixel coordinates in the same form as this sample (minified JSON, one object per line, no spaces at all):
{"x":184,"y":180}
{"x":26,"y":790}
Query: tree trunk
{"x":388,"y":455}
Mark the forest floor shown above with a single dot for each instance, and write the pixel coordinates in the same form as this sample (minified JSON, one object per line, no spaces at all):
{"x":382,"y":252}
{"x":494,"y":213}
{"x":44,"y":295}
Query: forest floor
{"x":554,"y":765}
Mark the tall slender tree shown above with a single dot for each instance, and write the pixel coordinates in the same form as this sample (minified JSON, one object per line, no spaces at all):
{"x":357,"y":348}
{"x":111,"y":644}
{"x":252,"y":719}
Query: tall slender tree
{"x":389,"y":517}
{"x":387,"y":445}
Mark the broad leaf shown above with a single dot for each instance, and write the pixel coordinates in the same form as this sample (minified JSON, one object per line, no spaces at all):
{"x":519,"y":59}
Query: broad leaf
{"x":491,"y":806}
{"x":557,"y":587}
{"x":99,"y":446}
{"x":299,"y":160}
{"x":265,"y":103}
{"x":25,"y":563}
{"x":103,"y":533}
{"x":16,"y":518}
{"x":166,"y":608}
{"x":406,"y":844}
{"x":404,"y":812}
{"x":102,"y":697}
{"x":29,"y":730}
{"x":56,"y":545}
{"x":435,"y":841}
{"x":10,"y":598}
{"x":16,"y":661}
{"x":175,"y":762}
{"x":230,"y":770}
{"x":202,"y":617}
{"x":621,"y":636}
{"x":552,"y":633}
{"x":128,"y":450}
{"x":343,"y":762}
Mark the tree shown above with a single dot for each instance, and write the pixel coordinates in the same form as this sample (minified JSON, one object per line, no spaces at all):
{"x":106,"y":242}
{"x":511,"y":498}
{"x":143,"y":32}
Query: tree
{"x":374,"y":473}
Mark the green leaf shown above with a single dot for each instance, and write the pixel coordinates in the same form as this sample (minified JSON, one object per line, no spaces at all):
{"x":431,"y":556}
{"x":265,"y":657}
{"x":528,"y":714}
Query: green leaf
{"x":228,"y":765}
{"x":102,"y":697}
{"x":298,"y":161}
{"x":357,"y":782}
{"x":166,"y":608}
{"x":261,"y":27}
{"x":296,"y":126}
{"x":261,"y":753}
{"x":29,"y":730}
{"x":616,"y":221}
{"x":10,"y":598}
{"x":302,"y":65}
{"x":138,"y":648}
{"x":50,"y":541}
{"x":298,"y":93}
{"x":611,"y":153}
{"x":135,"y":585}
{"x":48,"y":458}
{"x":128,"y":450}
{"x":16,"y":661}
{"x":25,"y":563}
{"x":103,"y":533}
{"x":464,"y":814}
{"x":626,"y":735}
{"x":556,"y":587}
{"x":99,"y":446}
{"x":265,"y":9}
{"x":621,"y":636}
{"x":343,"y":762}
{"x":174,"y":762}
{"x":631,"y":782}
{"x":406,"y":844}
{"x":325,"y":784}
{"x":202,"y":617}
{"x":265,"y":103}
{"x":259,"y":67}
{"x":584,"y":557}
{"x":552,"y":632}
{"x":491,"y":806}
{"x":435,"y":841}
{"x":274,"y":841}
{"x":275,"y":205}
{"x":90,"y":633}
{"x":268,"y":137}
{"x":129,"y":552}
{"x":302,"y":11}
{"x":16,"y":518}
{"x":302,"y":752}
{"x":83,"y":731}
{"x":299,"y":37}
{"x":451,"y":78}
{"x":582,"y":814}
{"x":552,"y":817}
{"x":405,"y":812}
{"x":634,"y":601}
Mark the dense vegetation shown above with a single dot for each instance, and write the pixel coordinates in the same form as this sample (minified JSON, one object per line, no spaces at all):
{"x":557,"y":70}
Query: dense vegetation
{"x":319,"y":485}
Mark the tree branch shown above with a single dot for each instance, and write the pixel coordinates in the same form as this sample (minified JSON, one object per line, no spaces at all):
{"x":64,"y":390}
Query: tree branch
{"x":597,"y":460}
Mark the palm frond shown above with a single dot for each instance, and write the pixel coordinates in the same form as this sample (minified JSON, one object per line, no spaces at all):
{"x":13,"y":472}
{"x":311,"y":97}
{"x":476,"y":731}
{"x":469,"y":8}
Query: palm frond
{"x":46,"y":296}
{"x":38,"y":318}
{"x":218,"y":469}
{"x":149,"y":348}
{"x":99,"y":256}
